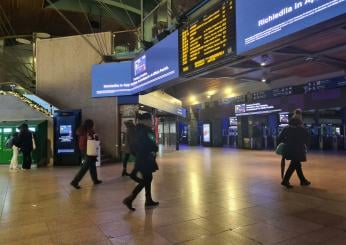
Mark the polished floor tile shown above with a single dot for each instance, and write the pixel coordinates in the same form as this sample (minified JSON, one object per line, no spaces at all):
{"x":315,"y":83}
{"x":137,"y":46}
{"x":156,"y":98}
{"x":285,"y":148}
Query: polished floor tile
{"x":207,"y":196}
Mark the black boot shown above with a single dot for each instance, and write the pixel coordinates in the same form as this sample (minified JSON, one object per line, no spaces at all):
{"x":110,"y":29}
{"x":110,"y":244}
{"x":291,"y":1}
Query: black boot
{"x":287,"y":185}
{"x":149,"y":201}
{"x":305,"y":182}
{"x":128,"y":202}
{"x":124,"y":173}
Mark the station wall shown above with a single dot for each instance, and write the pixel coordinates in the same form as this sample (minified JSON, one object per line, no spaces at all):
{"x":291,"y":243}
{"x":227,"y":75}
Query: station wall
{"x":64,"y":79}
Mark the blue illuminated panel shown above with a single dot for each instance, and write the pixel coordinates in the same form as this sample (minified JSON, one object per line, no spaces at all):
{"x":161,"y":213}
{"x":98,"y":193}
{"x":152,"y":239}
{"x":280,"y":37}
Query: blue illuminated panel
{"x":112,"y":79}
{"x":259,"y":23}
{"x":157,"y":65}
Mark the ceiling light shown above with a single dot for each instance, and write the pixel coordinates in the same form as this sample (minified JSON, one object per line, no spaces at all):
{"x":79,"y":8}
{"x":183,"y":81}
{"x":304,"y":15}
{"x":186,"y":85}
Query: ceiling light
{"x":208,"y":96}
{"x":192,"y":98}
{"x":263,"y":63}
{"x":263,"y":80}
{"x":228,"y":90}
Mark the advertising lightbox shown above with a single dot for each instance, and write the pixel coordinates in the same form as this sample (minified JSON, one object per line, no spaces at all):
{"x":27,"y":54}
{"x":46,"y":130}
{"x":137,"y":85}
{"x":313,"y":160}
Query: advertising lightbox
{"x":154,"y":67}
{"x":206,"y":133}
{"x":259,"y":23}
{"x":157,"y":65}
{"x":112,"y":79}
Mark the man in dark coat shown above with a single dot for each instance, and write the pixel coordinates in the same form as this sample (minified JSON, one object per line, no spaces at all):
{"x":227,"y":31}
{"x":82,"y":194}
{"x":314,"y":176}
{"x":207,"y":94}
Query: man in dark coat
{"x":145,"y":151}
{"x":295,"y":138}
{"x":25,"y":142}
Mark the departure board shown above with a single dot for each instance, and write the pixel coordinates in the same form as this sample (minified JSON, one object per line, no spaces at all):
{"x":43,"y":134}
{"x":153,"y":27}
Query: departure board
{"x":208,"y":39}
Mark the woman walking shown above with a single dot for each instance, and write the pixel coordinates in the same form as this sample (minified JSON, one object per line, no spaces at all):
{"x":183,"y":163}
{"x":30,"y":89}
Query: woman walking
{"x":295,"y":138}
{"x":145,"y":150}
{"x":86,"y":132}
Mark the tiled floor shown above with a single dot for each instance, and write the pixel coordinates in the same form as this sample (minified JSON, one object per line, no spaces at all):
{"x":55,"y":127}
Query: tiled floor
{"x":207,"y":196}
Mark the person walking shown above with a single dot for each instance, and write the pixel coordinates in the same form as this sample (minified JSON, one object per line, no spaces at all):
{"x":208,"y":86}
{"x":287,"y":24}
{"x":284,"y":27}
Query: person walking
{"x":128,"y":144}
{"x":26,"y":143}
{"x":295,"y":137}
{"x":145,"y":164}
{"x":86,"y":132}
{"x":14,"y":144}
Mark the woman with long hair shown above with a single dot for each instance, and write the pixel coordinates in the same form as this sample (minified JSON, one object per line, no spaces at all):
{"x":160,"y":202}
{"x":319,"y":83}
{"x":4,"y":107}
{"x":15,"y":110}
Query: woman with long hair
{"x":86,"y":132}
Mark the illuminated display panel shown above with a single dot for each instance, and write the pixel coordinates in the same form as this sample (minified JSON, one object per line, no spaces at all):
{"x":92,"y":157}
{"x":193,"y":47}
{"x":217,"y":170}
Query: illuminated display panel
{"x":260,"y":23}
{"x":208,"y":39}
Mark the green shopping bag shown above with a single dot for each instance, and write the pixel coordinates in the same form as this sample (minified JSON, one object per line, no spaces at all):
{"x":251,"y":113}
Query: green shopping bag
{"x":280,"y":149}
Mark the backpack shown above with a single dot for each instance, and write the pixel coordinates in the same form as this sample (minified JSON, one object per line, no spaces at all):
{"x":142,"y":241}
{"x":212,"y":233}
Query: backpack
{"x":9,"y":142}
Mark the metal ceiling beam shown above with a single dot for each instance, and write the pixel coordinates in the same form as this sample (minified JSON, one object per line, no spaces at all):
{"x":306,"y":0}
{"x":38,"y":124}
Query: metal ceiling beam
{"x":121,"y":5}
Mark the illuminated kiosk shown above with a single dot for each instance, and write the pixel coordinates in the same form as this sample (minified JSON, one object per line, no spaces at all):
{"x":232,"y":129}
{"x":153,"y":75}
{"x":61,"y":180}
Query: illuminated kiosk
{"x":66,"y":150}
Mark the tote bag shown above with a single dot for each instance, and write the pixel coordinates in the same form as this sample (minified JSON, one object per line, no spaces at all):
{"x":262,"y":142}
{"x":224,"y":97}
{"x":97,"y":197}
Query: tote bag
{"x":93,"y":147}
{"x":280,"y":149}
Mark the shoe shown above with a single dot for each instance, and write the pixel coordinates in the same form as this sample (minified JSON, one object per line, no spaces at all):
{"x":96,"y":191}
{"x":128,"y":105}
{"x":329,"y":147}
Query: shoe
{"x":287,"y":185}
{"x":97,"y":182}
{"x":75,"y":185}
{"x":151,"y":203}
{"x":305,"y":183}
{"x":124,"y":173}
{"x":128,"y":203}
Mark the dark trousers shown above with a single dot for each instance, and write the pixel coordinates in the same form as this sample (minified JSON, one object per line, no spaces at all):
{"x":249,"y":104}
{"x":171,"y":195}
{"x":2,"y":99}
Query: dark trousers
{"x":297,"y":166}
{"x":144,"y":183}
{"x":26,"y":159}
{"x":89,"y":163}
{"x":126,"y":159}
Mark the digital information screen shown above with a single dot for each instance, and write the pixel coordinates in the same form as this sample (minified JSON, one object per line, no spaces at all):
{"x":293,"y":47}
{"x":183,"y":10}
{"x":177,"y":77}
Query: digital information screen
{"x":157,"y":65}
{"x":283,"y":118}
{"x":154,"y":67}
{"x":254,"y":109}
{"x":111,"y":79}
{"x":259,"y":23}
{"x":206,"y":133}
{"x":208,"y":39}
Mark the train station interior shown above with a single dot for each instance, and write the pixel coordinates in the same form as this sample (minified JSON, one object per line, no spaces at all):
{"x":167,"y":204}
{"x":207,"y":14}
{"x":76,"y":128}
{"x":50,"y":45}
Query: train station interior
{"x":190,"y":117}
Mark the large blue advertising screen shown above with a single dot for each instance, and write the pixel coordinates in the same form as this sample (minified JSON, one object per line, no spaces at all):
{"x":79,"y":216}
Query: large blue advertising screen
{"x":259,"y":23}
{"x":112,"y":79}
{"x":154,"y":67}
{"x":157,"y":65}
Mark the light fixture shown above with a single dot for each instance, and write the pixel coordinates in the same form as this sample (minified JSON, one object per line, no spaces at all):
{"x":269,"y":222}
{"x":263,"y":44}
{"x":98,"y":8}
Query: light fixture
{"x":264,"y":80}
{"x":264,"y":60}
{"x":192,"y":98}
{"x":228,"y":90}
{"x":208,"y":96}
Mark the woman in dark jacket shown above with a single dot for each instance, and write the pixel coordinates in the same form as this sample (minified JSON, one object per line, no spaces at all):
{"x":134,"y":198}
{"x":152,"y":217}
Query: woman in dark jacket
{"x":25,"y":142}
{"x":145,"y":150}
{"x":85,"y":132}
{"x":295,"y":138}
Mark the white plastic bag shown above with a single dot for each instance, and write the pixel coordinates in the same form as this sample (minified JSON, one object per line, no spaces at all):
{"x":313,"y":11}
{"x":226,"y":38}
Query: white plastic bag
{"x":93,"y":147}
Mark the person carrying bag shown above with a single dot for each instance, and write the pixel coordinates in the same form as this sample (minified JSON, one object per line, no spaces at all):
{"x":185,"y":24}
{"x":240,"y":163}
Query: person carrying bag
{"x":88,"y":145}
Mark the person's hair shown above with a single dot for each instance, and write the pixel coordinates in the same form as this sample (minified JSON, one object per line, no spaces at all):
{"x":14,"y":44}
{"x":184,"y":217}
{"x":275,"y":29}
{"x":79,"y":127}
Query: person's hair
{"x":24,"y":126}
{"x":297,"y":114}
{"x":87,"y":125}
{"x":144,"y":116}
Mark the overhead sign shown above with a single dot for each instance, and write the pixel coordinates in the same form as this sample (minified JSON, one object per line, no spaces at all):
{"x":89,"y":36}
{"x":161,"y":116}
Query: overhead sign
{"x":112,"y":79}
{"x":157,"y":65}
{"x":260,"y":23}
{"x":208,"y":39}
{"x":154,"y":67}
{"x":254,"y":109}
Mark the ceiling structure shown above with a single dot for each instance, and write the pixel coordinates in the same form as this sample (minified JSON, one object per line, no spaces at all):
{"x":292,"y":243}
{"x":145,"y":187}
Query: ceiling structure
{"x":310,"y":57}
